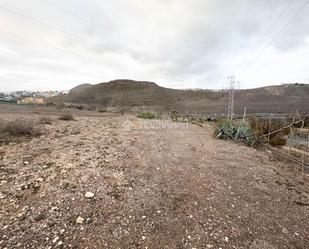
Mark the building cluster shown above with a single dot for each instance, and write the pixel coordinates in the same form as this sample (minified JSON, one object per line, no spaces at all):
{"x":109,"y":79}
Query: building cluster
{"x":28,"y":97}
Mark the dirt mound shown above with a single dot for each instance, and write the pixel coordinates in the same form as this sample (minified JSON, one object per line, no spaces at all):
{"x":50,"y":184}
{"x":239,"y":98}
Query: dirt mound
{"x":139,"y":95}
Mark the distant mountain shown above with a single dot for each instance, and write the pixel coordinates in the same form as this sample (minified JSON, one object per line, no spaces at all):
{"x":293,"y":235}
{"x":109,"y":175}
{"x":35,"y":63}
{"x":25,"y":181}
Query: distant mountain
{"x":138,"y":95}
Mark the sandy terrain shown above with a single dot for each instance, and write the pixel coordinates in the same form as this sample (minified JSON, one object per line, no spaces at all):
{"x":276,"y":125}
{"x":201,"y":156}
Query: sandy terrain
{"x":115,"y":181}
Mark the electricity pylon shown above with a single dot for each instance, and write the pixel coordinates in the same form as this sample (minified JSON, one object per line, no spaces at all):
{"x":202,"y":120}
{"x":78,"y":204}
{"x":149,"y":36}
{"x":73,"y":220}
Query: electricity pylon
{"x":230,"y":109}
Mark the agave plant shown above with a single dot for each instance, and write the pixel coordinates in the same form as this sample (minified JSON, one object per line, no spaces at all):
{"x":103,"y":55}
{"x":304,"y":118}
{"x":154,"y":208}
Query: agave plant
{"x":229,"y":129}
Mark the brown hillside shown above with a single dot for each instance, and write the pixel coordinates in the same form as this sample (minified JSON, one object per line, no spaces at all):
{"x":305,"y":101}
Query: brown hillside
{"x":80,"y":88}
{"x":148,"y":95}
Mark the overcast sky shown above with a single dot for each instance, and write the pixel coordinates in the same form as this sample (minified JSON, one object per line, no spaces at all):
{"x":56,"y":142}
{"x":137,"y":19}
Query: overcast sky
{"x":58,"y":44}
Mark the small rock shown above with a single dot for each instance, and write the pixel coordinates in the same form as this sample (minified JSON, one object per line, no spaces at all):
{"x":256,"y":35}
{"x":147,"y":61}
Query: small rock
{"x":35,"y":187}
{"x":55,"y":239}
{"x":21,"y":216}
{"x":143,"y":237}
{"x":80,"y":220}
{"x":89,"y":195}
{"x":88,"y":221}
{"x":23,"y":186}
{"x":284,"y":230}
{"x":26,"y":162}
{"x":40,"y":217}
{"x":54,"y":209}
{"x":3,"y":182}
{"x":60,"y":243}
{"x":226,"y":239}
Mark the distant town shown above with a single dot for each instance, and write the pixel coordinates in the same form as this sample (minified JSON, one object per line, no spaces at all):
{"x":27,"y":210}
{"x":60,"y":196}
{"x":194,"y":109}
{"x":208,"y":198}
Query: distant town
{"x":28,"y":97}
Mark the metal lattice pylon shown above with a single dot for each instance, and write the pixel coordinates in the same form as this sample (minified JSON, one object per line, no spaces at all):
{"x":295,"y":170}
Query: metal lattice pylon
{"x":230,"y":109}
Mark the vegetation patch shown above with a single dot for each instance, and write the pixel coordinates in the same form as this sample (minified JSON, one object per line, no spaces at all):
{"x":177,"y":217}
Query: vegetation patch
{"x":148,"y":115}
{"x":20,"y":127}
{"x":263,"y":126}
{"x":17,"y":128}
{"x":102,"y":110}
{"x":66,"y":117}
{"x":45,"y":120}
{"x":237,"y":131}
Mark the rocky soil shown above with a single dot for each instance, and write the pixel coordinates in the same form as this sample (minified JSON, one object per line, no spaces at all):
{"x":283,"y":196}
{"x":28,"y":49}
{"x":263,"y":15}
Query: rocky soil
{"x":122,"y":182}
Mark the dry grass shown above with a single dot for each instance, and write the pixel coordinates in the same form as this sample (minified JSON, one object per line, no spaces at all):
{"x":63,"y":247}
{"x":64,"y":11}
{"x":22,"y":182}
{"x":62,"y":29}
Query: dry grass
{"x":66,"y":117}
{"x":45,"y":120}
{"x":19,"y":127}
{"x":262,"y":126}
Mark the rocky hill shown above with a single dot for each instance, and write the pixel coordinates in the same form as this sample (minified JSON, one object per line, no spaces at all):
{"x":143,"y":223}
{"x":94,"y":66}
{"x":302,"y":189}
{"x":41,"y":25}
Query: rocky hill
{"x":139,"y":95}
{"x":80,"y":88}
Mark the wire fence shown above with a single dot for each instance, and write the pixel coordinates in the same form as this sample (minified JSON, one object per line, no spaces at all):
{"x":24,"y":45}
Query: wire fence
{"x":296,"y":149}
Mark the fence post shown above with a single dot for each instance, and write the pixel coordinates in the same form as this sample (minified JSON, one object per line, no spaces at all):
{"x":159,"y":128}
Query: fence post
{"x":269,"y":129}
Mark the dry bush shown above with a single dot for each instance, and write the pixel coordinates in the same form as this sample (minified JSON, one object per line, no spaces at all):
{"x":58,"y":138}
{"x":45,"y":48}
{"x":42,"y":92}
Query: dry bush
{"x":261,"y":125}
{"x":122,"y":111}
{"x":2,"y":126}
{"x":75,"y":131}
{"x":102,"y":110}
{"x":20,"y":127}
{"x":66,"y":117}
{"x":278,"y":140}
{"x":45,"y":120}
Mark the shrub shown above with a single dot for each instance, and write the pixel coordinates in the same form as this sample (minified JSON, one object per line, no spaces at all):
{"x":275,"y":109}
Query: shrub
{"x":2,"y":126}
{"x":66,"y":117}
{"x":102,"y":110}
{"x":278,"y":141}
{"x":122,"y":111}
{"x":261,"y":125}
{"x":20,"y":127}
{"x":148,"y":115}
{"x":45,"y":120}
{"x":228,"y":129}
{"x":175,"y":116}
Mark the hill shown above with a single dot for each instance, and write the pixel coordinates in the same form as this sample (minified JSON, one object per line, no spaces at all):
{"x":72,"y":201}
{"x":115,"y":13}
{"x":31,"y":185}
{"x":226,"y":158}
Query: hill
{"x":80,"y":88}
{"x":139,"y":95}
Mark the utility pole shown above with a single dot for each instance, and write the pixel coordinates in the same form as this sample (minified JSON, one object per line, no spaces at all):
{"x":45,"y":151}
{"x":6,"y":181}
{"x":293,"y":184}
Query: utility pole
{"x":230,"y":109}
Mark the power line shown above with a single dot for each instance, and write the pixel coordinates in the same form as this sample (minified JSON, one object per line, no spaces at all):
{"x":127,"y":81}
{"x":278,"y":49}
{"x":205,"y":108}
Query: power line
{"x":35,"y":20}
{"x":275,"y":22}
{"x":290,"y":21}
{"x":38,"y":42}
{"x":284,"y":27}
{"x":49,"y":26}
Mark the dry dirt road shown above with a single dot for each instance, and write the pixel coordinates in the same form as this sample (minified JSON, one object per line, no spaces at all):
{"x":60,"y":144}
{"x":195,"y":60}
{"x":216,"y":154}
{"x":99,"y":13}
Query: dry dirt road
{"x":149,"y":185}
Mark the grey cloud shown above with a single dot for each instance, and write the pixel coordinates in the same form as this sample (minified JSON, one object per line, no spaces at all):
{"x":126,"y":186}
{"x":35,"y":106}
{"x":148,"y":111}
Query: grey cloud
{"x":166,"y":41}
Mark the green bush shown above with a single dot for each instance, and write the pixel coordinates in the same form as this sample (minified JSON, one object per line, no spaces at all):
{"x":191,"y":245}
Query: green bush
{"x":148,"y":115}
{"x":239,"y":131}
{"x":102,"y":110}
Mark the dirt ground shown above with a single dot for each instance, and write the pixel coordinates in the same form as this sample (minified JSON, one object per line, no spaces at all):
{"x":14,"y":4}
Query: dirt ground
{"x":115,"y":181}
